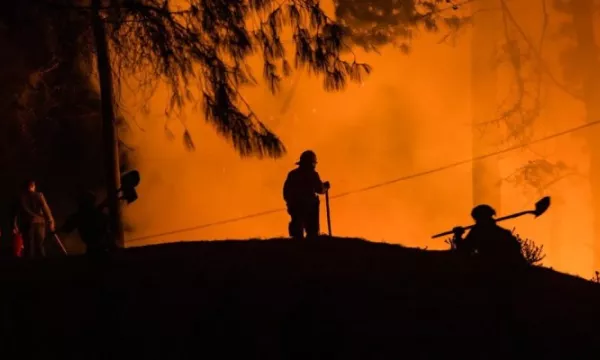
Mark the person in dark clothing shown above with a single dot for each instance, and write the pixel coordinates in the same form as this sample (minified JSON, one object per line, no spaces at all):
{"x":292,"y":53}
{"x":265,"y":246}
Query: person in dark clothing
{"x":34,"y":218}
{"x":91,"y":223}
{"x":300,"y":192}
{"x":487,"y":240}
{"x":500,"y":266}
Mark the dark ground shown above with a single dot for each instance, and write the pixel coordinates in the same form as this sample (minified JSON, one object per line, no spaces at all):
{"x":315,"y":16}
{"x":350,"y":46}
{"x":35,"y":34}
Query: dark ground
{"x":278,"y":299}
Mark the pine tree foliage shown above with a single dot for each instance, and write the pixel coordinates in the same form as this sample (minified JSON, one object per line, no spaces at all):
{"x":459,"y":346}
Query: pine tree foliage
{"x":373,"y":23}
{"x":209,"y":42}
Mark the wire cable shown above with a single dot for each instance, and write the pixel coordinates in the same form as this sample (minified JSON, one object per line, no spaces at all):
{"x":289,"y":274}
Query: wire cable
{"x":375,"y":186}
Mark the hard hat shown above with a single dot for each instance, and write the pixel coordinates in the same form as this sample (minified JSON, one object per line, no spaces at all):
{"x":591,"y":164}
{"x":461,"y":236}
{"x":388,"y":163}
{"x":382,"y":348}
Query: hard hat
{"x":483,"y":212}
{"x":307,"y":157}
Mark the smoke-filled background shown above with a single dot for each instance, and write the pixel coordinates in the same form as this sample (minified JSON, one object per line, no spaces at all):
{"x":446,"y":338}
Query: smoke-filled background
{"x":415,"y":112}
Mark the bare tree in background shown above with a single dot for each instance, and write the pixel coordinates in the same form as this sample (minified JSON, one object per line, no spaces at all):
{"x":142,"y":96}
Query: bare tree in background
{"x":519,"y":113}
{"x":580,"y":80}
{"x":522,"y":107}
{"x":582,"y":71}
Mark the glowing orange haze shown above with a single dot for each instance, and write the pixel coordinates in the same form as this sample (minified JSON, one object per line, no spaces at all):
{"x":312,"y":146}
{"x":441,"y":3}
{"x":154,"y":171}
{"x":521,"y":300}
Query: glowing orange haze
{"x":412,"y":114}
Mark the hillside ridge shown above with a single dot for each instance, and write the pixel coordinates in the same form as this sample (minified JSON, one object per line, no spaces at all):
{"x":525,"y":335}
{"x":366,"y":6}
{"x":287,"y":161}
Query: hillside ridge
{"x":283,"y":299}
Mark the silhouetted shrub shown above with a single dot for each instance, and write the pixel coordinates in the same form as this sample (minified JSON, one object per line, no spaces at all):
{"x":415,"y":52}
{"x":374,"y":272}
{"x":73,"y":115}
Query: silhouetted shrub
{"x":533,"y":253}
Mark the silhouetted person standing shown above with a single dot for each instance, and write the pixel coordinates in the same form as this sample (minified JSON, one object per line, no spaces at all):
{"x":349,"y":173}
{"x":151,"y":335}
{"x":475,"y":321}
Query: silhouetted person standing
{"x":486,"y":239}
{"x":300,"y":192}
{"x":91,"y":223}
{"x":35,"y":216}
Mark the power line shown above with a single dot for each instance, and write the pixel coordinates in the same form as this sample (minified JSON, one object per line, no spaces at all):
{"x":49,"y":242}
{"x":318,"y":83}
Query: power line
{"x":467,"y":161}
{"x":378,"y":185}
{"x":222,"y":222}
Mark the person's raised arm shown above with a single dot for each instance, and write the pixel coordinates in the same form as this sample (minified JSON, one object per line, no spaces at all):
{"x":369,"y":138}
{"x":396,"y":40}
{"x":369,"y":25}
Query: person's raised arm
{"x":320,"y":186}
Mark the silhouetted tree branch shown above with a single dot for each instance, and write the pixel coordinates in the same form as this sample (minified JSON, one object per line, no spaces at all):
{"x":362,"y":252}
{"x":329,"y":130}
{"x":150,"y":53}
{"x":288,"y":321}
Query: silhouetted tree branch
{"x":537,"y":53}
{"x":524,"y":104}
{"x":208,"y":44}
{"x":541,"y":174}
{"x":373,"y":23}
{"x":522,"y":107}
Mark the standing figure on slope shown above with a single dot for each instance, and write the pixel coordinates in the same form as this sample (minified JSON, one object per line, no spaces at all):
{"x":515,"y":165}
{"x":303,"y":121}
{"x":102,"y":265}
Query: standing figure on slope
{"x":34,"y":217}
{"x":300,"y":192}
{"x":492,"y":243}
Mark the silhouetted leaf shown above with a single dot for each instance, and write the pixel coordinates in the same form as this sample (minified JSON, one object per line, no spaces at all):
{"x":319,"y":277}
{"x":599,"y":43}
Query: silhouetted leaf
{"x":188,"y":142}
{"x":380,"y":22}
{"x":169,"y":134}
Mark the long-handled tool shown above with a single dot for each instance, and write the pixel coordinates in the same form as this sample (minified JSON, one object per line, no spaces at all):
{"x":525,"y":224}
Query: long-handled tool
{"x":62,"y":247}
{"x":328,"y":211}
{"x":540,"y":207}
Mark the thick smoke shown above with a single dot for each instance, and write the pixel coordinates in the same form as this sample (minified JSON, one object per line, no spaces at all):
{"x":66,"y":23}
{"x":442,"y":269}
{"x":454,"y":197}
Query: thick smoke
{"x":411,"y":115}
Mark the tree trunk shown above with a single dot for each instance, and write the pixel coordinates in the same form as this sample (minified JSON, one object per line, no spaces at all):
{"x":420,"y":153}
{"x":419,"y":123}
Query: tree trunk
{"x":486,"y":173}
{"x":555,"y":253}
{"x":109,"y":128}
{"x":587,"y":51}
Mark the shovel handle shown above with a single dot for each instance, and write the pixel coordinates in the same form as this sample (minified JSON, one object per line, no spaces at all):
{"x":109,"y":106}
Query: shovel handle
{"x":328,"y":212}
{"x":512,"y":216}
{"x":62,"y":247}
{"x":450,"y":232}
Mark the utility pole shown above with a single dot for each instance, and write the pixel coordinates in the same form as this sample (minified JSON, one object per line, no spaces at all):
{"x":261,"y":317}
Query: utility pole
{"x":109,"y":129}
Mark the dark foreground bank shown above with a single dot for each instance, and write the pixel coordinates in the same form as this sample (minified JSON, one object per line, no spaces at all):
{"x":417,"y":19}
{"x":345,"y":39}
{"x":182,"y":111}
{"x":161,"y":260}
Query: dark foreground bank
{"x":278,"y":299}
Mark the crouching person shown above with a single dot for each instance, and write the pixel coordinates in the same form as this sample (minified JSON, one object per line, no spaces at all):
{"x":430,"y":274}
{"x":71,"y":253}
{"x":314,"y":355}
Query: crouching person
{"x":496,"y":246}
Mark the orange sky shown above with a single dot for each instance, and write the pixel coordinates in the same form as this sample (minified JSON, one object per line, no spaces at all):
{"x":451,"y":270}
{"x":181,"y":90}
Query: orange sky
{"x":411,"y":115}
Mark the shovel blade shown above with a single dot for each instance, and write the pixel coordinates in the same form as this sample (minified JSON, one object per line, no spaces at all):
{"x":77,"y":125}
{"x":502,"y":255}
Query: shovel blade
{"x":541,"y":206}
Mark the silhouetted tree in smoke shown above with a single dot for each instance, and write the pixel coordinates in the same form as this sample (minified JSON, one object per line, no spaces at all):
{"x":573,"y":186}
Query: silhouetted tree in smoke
{"x":50,"y":125}
{"x":515,"y":118}
{"x":580,"y":80}
{"x":207,"y":44}
{"x":523,"y":105}
{"x":521,"y":110}
{"x":373,"y":23}
{"x":581,"y":67}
